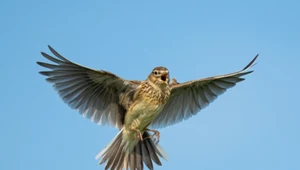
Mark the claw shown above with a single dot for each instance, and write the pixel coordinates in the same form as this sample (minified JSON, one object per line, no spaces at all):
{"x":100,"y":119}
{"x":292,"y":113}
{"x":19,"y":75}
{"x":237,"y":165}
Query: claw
{"x":155,"y":133}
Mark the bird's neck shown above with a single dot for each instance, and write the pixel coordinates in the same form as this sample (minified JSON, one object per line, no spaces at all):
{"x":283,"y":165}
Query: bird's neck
{"x":160,"y":87}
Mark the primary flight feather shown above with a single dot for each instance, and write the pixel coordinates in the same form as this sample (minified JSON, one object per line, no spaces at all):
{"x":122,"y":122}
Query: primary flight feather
{"x":133,"y":106}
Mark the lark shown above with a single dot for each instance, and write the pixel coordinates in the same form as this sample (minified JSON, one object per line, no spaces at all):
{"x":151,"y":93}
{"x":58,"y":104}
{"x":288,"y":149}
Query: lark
{"x":136,"y":108}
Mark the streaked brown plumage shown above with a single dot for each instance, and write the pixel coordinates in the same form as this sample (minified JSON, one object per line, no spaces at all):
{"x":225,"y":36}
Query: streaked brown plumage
{"x":133,"y":106}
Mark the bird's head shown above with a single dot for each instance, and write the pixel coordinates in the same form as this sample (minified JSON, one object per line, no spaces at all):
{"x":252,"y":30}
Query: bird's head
{"x":159,"y":76}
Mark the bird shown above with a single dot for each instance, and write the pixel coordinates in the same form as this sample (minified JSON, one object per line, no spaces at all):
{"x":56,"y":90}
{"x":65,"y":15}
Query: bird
{"x":134,"y":107}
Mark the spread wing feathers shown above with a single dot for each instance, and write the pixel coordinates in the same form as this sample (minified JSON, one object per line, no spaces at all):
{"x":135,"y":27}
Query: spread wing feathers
{"x":95,"y":94}
{"x":188,"y":98}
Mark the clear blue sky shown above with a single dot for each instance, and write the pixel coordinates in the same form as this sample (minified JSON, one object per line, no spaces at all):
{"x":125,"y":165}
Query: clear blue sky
{"x":253,"y":126}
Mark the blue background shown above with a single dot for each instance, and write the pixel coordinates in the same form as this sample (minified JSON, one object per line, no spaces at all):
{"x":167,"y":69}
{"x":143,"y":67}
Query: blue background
{"x":253,"y":126}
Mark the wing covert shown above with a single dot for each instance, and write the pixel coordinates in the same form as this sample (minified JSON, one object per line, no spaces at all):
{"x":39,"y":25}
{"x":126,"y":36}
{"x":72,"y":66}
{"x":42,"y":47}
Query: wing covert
{"x":188,"y":98}
{"x":95,"y":94}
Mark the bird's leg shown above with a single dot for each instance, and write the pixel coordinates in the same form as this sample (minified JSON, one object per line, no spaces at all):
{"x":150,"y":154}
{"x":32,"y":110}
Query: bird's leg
{"x":155,"y":133}
{"x":139,"y":134}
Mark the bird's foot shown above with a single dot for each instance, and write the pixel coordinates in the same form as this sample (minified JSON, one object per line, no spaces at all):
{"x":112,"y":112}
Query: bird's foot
{"x":139,"y":134}
{"x":155,"y":136}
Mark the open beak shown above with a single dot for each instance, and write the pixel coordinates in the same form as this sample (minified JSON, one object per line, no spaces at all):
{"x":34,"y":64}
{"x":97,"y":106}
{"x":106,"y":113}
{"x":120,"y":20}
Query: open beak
{"x":164,"y":76}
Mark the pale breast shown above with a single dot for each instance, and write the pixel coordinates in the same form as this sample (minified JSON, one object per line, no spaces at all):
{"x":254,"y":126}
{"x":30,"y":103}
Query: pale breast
{"x":149,"y":102}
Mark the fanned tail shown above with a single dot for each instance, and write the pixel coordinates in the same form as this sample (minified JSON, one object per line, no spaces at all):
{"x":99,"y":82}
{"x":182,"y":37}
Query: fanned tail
{"x":117,"y":156}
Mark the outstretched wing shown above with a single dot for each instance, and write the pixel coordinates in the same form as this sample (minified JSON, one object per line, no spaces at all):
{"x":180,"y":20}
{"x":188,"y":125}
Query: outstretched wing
{"x":188,"y":98}
{"x":95,"y":94}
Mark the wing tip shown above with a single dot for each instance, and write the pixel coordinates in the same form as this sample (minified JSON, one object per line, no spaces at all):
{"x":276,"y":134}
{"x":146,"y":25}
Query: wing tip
{"x":39,"y":63}
{"x":45,"y":73}
{"x":51,"y":49}
{"x":44,"y":54}
{"x":251,"y":64}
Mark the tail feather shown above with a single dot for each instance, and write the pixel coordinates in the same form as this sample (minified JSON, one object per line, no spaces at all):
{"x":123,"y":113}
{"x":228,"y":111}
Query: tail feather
{"x":131,"y":161}
{"x":138,"y":156}
{"x":146,"y":156}
{"x":118,"y":157}
{"x":115,"y":157}
{"x":121,"y":161}
{"x":114,"y":145}
{"x":150,"y":145}
{"x":118,"y":160}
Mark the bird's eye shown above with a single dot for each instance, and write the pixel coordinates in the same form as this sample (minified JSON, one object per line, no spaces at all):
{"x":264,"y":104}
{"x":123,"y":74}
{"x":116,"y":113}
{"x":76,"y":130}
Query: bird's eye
{"x":155,"y":73}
